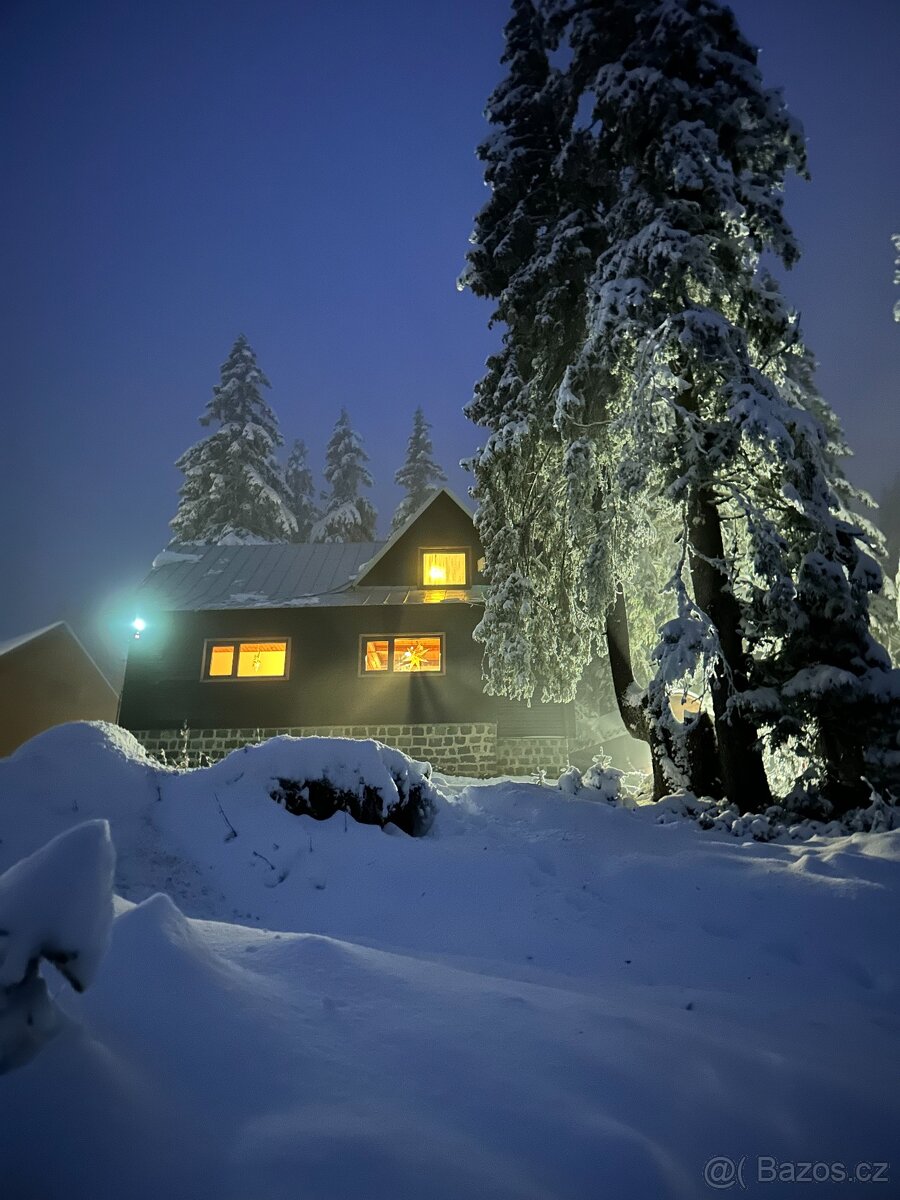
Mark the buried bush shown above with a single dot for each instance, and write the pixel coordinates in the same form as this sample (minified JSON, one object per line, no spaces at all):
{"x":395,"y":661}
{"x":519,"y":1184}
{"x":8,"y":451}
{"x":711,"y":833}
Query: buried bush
{"x":372,"y":783}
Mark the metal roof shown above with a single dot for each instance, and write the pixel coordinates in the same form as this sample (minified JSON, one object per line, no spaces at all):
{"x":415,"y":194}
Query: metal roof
{"x":255,"y":576}
{"x":284,"y":575}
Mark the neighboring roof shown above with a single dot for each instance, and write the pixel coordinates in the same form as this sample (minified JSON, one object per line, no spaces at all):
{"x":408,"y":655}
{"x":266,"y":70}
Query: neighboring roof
{"x":410,"y":521}
{"x":24,"y":638}
{"x":272,"y":576}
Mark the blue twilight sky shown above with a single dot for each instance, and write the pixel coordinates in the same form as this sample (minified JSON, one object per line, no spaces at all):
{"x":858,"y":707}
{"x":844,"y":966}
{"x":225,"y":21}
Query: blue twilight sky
{"x":176,"y":173}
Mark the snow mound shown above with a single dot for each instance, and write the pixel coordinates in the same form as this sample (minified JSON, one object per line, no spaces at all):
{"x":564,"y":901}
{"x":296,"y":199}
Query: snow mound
{"x":54,"y":905}
{"x":70,"y":774}
{"x":77,"y":739}
{"x":319,"y":776}
{"x":546,"y":996}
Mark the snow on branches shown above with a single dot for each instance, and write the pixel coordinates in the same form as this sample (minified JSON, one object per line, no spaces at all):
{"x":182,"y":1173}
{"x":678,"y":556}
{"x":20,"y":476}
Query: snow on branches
{"x":233,"y":485}
{"x":420,"y":475}
{"x":652,"y":378}
{"x":348,"y":515}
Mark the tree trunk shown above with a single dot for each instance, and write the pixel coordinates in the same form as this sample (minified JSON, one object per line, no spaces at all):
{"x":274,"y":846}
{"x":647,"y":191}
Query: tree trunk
{"x":634,"y":716}
{"x":740,"y":759}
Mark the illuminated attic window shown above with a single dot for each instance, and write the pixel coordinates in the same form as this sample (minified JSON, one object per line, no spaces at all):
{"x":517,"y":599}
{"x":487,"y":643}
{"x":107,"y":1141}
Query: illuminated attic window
{"x":245,"y":660}
{"x":445,"y":568}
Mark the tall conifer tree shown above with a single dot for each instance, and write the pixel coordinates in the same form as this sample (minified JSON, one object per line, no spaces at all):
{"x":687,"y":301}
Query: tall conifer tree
{"x":546,"y":615}
{"x":301,"y":491}
{"x":348,"y":515}
{"x":420,"y":475}
{"x":233,"y":486}
{"x":643,"y":333}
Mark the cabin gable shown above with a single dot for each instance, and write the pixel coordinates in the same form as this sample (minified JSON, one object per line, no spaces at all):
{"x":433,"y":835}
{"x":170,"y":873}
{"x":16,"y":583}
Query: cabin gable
{"x":443,"y":525}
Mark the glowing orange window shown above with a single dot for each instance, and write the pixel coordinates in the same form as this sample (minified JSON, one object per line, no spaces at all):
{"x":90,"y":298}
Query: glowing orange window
{"x":417,"y":654}
{"x":246,"y":660}
{"x":377,"y":655}
{"x":444,"y":568}
{"x":262,"y":660}
{"x":221,"y":661}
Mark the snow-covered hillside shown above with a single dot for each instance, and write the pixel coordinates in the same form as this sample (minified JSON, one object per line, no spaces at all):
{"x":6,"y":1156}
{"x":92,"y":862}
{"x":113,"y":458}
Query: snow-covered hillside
{"x":546,"y":997}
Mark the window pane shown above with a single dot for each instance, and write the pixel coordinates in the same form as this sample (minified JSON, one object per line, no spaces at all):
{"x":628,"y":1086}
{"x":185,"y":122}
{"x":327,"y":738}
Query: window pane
{"x":261,"y":659}
{"x":444,"y":568}
{"x":376,"y":656}
{"x":417,"y":654}
{"x":221,"y":660}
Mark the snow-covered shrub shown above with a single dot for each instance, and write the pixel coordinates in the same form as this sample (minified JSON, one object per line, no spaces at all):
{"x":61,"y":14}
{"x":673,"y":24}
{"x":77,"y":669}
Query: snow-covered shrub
{"x":372,"y":783}
{"x":604,"y":779}
{"x":599,"y":782}
{"x":54,"y":905}
{"x":783,"y":822}
{"x":570,"y":782}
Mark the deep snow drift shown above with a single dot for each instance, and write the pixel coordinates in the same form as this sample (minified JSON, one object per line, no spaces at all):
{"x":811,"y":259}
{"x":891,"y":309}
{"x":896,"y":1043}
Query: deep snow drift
{"x":546,"y":997}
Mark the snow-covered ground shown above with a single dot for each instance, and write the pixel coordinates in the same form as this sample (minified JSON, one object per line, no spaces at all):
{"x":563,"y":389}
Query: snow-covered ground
{"x":546,"y":997}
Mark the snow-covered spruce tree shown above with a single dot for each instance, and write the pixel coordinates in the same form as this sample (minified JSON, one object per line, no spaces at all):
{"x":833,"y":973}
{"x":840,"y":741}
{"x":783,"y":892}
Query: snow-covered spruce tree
{"x":300,"y":489}
{"x":233,"y":486}
{"x":889,"y":518}
{"x":560,"y":553}
{"x":692,"y":344}
{"x":420,"y":475}
{"x":641,"y":330}
{"x":532,"y":637}
{"x":822,"y":683}
{"x":347,"y":516}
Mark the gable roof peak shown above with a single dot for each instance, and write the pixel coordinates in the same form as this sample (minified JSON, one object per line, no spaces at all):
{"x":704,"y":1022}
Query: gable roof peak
{"x":395,"y":537}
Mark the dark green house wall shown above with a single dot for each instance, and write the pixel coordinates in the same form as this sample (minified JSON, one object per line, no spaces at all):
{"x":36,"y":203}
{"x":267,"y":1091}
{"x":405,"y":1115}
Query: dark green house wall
{"x":163,"y":686}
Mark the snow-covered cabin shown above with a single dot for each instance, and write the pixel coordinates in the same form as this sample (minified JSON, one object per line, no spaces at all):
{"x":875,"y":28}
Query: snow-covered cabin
{"x":47,"y":677}
{"x":242,"y":642}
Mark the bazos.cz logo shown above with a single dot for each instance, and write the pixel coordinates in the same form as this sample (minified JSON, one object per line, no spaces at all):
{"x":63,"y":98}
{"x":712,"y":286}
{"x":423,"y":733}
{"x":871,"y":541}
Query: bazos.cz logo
{"x":722,"y":1173}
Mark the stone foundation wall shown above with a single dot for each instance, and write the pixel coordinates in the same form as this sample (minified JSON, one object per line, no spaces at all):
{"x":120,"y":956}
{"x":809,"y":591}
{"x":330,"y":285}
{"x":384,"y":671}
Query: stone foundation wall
{"x":530,"y":755}
{"x":466,"y":749}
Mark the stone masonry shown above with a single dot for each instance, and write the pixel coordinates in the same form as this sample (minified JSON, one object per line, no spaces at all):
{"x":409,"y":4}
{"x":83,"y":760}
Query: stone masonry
{"x":531,"y":755}
{"x":464,"y":749}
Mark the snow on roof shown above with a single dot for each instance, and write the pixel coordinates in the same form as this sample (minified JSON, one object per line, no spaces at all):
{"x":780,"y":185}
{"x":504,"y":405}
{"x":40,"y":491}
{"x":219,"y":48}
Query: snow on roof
{"x":274,"y":575}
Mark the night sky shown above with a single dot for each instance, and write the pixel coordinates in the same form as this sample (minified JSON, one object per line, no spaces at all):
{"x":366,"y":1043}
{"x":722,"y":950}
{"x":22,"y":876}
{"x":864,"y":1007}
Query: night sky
{"x":304,"y":172}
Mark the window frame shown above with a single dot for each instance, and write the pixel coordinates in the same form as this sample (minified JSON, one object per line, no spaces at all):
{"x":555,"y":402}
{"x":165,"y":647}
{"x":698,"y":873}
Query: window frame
{"x":390,"y":673}
{"x":236,"y":643}
{"x":464,"y":550}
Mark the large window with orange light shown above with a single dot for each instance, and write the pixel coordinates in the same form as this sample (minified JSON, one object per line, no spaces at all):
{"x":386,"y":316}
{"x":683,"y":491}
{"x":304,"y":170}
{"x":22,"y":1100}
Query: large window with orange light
{"x":445,"y":568}
{"x":402,"y":654}
{"x":235,"y":660}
